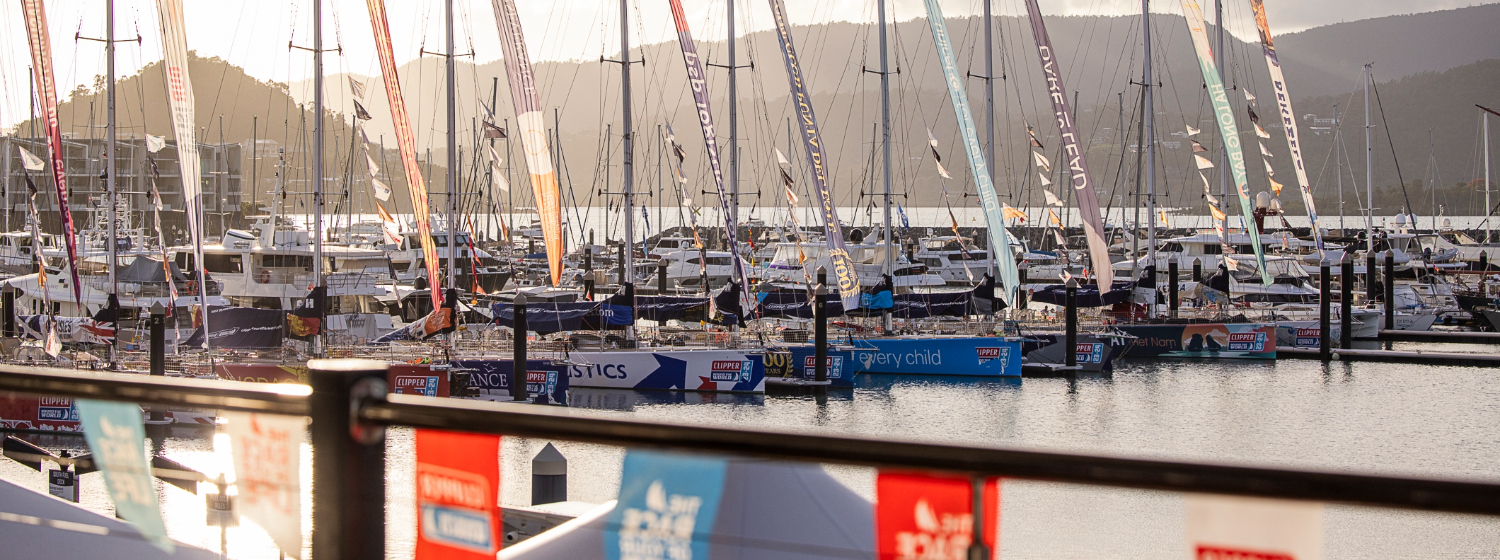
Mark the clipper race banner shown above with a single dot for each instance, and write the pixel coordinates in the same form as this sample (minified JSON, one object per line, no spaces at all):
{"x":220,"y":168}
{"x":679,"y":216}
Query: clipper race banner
{"x":1228,"y":130}
{"x":920,"y":516}
{"x":267,"y":468}
{"x":117,"y":439}
{"x":1288,"y":119}
{"x":706,"y":122}
{"x":407,"y":145}
{"x":978,"y":167}
{"x":528,"y":106}
{"x":458,"y":495}
{"x":668,"y":503}
{"x":46,"y":94}
{"x":180,"y":99}
{"x":843,"y":267}
{"x":1234,"y":528}
{"x":1083,"y":183}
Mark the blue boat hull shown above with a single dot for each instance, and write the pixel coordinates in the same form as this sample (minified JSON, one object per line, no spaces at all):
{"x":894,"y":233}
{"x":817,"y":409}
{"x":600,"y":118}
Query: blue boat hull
{"x":974,"y":356}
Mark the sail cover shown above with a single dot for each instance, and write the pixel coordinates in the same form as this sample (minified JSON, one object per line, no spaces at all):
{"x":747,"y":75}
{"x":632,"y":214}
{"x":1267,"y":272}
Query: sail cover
{"x":978,"y":167}
{"x":46,"y":89}
{"x":1083,"y":183}
{"x":1228,"y":130}
{"x":528,"y":106}
{"x":1288,"y":120}
{"x":706,"y":122}
{"x":407,"y":145}
{"x":846,"y":277}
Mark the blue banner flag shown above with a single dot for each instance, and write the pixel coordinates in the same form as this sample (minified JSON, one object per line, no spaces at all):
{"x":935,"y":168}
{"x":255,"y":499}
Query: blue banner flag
{"x":845,"y":276}
{"x":993,"y":214}
{"x":117,"y":440}
{"x":668,"y":503}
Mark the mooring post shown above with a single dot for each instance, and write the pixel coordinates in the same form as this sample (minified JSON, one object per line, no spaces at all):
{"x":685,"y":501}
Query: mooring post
{"x":1172,"y":300}
{"x":1372,"y":272}
{"x":549,"y":477}
{"x":1346,"y":302}
{"x":1325,"y":310}
{"x":820,"y":331}
{"x":623,"y":273}
{"x":348,"y":459}
{"x":1197,"y":270}
{"x":588,"y":260}
{"x":518,"y":355}
{"x":1390,"y":290}
{"x":661,"y":278}
{"x":8,"y":308}
{"x":1070,"y":350}
{"x":157,"y":322}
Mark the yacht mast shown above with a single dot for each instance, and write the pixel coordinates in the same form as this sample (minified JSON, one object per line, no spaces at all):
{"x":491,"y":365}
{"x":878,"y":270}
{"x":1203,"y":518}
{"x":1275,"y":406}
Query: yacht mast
{"x":1338,"y":166}
{"x":885,"y":138}
{"x":1487,"y":225}
{"x":1370,"y":178}
{"x":317,"y":155}
{"x":1223,"y":150}
{"x":626,"y":136}
{"x":1148,"y":119}
{"x":109,"y":167}
{"x":452,"y":153}
{"x":734,"y":149}
{"x":989,"y":120}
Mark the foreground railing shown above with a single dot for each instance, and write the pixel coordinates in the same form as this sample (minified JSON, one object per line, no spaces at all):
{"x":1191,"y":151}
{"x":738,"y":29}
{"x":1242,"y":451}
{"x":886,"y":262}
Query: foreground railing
{"x":349,"y":407}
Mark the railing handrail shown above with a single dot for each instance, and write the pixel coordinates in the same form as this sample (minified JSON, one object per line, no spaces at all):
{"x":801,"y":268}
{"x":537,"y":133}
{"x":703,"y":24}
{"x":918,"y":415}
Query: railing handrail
{"x":1457,"y":496}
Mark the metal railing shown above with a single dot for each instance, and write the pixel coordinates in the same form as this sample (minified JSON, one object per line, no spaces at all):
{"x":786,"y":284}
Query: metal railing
{"x":349,"y":407}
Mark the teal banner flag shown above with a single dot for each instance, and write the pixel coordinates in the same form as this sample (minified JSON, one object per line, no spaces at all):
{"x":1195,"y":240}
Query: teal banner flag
{"x":117,"y":440}
{"x":994,"y":217}
{"x":667,"y":507}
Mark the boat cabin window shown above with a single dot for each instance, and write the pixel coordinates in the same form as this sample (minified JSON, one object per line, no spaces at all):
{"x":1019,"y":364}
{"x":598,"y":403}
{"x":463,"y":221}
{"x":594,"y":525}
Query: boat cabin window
{"x":287,"y":261}
{"x":229,"y":264}
{"x":1212,"y":249}
{"x":932,"y":262}
{"x":1172,"y":248}
{"x":713,"y":261}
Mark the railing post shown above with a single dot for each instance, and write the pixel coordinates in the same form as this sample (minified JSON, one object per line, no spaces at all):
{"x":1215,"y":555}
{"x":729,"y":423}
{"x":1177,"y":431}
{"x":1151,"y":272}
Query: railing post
{"x":518,"y":369}
{"x":820,"y":332}
{"x":1325,"y":302}
{"x":348,"y":460}
{"x":1172,"y":299}
{"x":1070,"y":351}
{"x":1346,"y":302}
{"x":1390,"y":290}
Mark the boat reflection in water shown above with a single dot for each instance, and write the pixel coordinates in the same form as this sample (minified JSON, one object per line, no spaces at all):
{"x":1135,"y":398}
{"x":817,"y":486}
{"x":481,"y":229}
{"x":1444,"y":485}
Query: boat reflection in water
{"x":626,"y":400}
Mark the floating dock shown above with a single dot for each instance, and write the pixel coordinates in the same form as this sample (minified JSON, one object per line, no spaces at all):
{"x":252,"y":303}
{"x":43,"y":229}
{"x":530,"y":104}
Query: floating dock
{"x":1399,"y":356}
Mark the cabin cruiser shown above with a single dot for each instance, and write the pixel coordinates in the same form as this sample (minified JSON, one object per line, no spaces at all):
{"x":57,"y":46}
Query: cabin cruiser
{"x":409,"y":264}
{"x":959,"y":262}
{"x":687,"y":269}
{"x":17,"y":251}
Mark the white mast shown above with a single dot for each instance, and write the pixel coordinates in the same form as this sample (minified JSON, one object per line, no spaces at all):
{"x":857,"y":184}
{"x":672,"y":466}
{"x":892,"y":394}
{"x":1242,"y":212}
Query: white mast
{"x":1150,"y":139}
{"x":109,"y":162}
{"x":452,"y":154}
{"x":1487,"y":225}
{"x":1338,"y":166}
{"x":317,"y":163}
{"x":1223,"y":150}
{"x":885,"y":138}
{"x":1370,"y":177}
{"x":627,"y":136}
{"x":734,"y":150}
{"x":989,"y":121}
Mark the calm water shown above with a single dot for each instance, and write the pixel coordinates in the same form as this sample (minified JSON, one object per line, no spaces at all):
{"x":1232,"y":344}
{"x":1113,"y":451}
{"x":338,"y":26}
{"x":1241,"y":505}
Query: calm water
{"x":1367,"y":418}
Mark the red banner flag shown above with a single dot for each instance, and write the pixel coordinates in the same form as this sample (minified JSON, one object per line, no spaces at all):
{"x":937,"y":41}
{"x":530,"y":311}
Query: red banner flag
{"x":458,"y":495}
{"x":46,"y":89}
{"x":931,"y":517}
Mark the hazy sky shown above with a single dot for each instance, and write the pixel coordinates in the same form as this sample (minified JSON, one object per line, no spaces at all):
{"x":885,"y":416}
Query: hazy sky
{"x":254,"y":33}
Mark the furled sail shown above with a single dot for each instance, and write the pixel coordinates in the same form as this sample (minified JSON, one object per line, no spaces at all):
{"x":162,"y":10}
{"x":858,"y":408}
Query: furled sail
{"x":843,"y":271}
{"x":1078,"y":170}
{"x":407,"y":145}
{"x":1228,"y":130}
{"x":46,"y":89}
{"x":1288,"y":119}
{"x":706,"y":122}
{"x":994,"y":214}
{"x":528,"y":105}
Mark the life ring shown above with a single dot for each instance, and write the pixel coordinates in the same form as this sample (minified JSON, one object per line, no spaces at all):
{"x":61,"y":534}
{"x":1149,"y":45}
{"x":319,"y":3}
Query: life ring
{"x":192,"y":286}
{"x":265,"y":276}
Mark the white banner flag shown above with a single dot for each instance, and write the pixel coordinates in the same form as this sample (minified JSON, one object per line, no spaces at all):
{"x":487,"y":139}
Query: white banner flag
{"x":1223,"y":527}
{"x":267,"y":469}
{"x":496,"y":176}
{"x":382,"y":191}
{"x":30,"y":161}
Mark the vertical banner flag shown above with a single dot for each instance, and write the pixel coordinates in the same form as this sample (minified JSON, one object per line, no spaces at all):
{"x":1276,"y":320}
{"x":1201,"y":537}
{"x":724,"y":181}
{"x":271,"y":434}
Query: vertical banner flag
{"x":927,"y":516}
{"x":458,"y":495}
{"x":706,"y":122}
{"x":180,"y":99}
{"x":1083,"y":183}
{"x":407,"y":144}
{"x":1228,"y":130}
{"x":117,"y":439}
{"x":1288,"y":119}
{"x":46,"y":94}
{"x":993,"y":213}
{"x":843,"y":267}
{"x":528,"y":106}
{"x":1225,"y":527}
{"x":267,"y":472}
{"x":668,"y":503}
{"x":682,"y":183}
